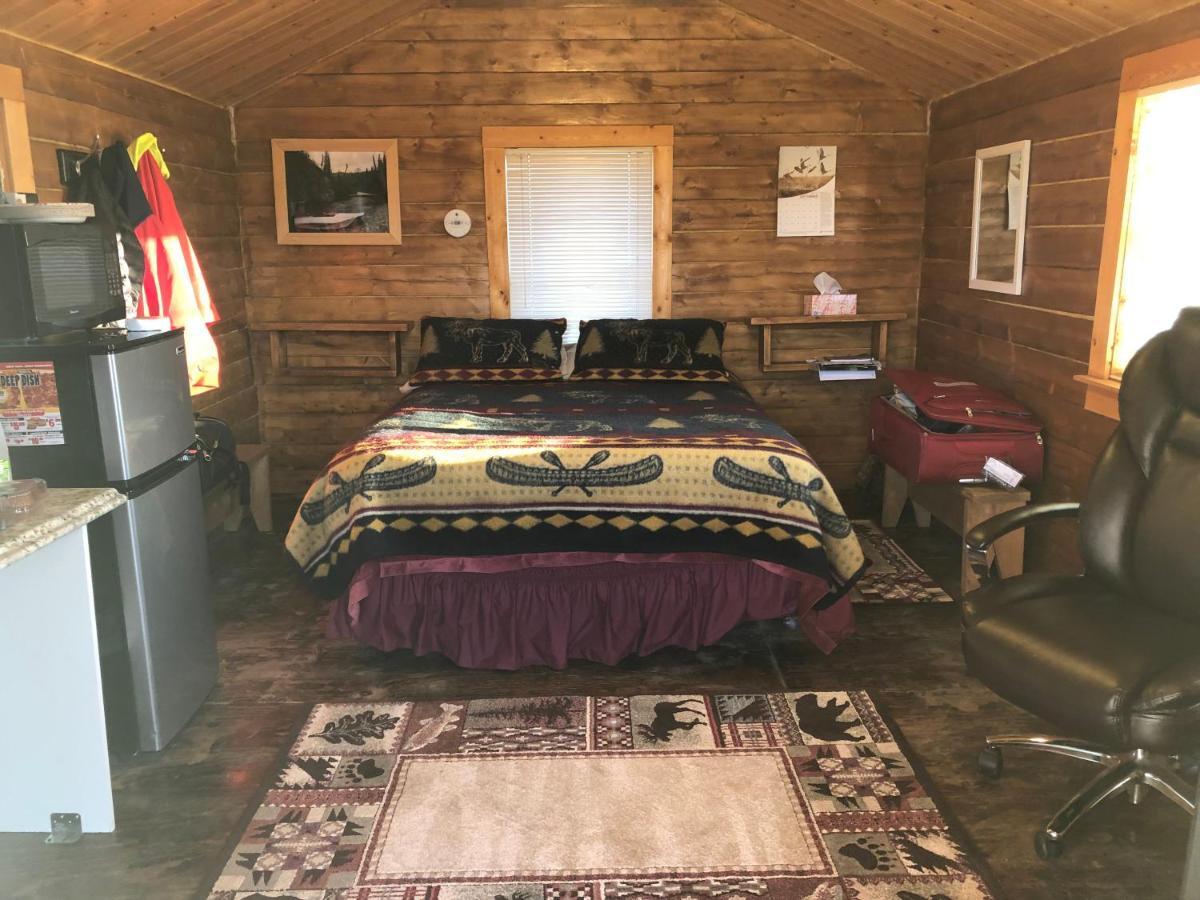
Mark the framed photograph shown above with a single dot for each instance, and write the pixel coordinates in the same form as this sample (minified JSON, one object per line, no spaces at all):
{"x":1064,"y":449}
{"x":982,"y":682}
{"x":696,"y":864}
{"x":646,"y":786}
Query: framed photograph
{"x":806,"y":192}
{"x":335,"y":191}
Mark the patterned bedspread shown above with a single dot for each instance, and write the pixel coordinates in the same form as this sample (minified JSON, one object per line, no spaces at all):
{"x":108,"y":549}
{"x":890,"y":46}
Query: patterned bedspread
{"x":646,"y":467}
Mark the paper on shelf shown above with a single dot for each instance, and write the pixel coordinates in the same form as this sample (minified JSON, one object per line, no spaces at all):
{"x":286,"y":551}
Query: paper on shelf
{"x":827,"y":284}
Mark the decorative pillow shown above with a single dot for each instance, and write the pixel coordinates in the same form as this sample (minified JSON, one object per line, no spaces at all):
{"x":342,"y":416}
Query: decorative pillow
{"x":489,"y":349}
{"x":650,"y":350}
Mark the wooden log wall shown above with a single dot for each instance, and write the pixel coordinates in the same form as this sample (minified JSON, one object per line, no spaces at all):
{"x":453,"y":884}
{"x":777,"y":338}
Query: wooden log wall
{"x":735,"y":90}
{"x":69,"y":100}
{"x":1033,"y":344}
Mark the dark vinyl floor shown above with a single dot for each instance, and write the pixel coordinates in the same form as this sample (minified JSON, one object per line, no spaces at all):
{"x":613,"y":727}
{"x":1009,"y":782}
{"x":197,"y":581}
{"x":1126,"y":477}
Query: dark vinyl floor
{"x":176,"y":810}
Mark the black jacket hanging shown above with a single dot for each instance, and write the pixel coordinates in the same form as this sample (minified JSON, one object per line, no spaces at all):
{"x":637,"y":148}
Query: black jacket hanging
{"x":123,"y":183}
{"x":89,"y":187}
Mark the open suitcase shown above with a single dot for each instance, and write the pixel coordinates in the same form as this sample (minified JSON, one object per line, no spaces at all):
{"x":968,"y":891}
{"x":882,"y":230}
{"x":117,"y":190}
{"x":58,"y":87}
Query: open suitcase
{"x":955,"y":426}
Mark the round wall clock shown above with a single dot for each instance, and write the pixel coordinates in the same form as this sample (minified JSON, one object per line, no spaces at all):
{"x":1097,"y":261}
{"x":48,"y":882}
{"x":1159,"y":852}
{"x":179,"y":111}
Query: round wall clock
{"x":457,"y":223}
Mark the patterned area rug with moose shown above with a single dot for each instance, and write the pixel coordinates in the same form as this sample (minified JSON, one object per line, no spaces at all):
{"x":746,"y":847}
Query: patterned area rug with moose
{"x":727,"y":797}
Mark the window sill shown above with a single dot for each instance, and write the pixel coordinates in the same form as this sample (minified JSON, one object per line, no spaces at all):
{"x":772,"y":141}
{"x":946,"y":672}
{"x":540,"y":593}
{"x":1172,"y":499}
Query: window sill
{"x":1101,"y":397}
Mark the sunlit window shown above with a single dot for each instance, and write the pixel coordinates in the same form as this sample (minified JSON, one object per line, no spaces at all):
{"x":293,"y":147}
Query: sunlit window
{"x":1161,"y":235}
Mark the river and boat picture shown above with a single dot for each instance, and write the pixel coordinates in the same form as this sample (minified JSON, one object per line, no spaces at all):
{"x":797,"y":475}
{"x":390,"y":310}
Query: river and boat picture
{"x":336,"y":191}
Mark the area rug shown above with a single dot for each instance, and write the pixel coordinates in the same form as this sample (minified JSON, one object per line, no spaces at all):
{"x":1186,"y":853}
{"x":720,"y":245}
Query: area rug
{"x":893,"y":576}
{"x":774,"y":796}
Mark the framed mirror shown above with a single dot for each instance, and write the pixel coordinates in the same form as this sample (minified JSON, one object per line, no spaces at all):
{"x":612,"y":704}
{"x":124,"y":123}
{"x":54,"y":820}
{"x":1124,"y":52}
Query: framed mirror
{"x":998,"y":217}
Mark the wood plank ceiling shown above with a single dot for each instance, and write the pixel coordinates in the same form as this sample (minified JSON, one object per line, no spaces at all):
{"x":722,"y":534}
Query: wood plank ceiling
{"x":938,"y":47}
{"x":222,"y":51}
{"x":225,"y":51}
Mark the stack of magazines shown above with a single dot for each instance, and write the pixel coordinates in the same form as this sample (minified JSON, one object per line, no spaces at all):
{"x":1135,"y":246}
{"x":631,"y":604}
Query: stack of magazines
{"x":847,"y":368}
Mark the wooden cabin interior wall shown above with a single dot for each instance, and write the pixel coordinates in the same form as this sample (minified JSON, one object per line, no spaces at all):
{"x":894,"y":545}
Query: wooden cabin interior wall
{"x":1035,"y":343}
{"x":735,"y":89}
{"x":69,"y":100}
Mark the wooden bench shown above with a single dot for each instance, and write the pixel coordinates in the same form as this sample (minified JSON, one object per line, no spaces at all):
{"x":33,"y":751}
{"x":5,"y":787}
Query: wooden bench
{"x":223,"y":505}
{"x":960,"y":507}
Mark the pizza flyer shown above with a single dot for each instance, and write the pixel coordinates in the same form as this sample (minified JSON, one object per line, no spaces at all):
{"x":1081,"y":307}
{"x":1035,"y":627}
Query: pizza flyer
{"x":29,"y":411}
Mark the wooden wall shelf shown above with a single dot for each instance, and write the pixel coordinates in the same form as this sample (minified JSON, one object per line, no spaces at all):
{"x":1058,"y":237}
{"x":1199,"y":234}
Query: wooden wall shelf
{"x":878,"y":322}
{"x":389,"y":361}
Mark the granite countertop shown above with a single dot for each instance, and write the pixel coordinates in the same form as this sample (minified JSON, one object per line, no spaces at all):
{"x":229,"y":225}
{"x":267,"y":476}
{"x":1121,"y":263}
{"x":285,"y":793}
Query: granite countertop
{"x":57,"y":512}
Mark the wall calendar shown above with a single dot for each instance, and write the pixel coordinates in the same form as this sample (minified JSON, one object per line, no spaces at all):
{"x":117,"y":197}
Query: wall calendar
{"x":806,"y":191}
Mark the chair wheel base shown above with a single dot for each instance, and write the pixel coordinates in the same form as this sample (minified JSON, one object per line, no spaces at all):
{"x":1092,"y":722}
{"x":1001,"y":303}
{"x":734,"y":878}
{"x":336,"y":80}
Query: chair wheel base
{"x":1046,"y":846}
{"x":991,"y":762}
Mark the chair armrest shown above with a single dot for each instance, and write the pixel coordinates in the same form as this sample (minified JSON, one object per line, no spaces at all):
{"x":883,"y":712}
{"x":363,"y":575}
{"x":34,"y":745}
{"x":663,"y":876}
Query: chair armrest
{"x":978,"y":541}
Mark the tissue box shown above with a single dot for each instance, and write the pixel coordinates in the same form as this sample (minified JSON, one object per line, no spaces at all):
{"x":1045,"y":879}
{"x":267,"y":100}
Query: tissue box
{"x":831,"y":305}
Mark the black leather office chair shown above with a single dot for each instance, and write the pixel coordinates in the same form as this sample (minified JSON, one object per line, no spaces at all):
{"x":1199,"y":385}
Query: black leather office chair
{"x":1112,"y":656}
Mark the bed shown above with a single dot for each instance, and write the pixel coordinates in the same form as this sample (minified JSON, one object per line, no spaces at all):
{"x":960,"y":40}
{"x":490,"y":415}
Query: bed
{"x":507,"y":524}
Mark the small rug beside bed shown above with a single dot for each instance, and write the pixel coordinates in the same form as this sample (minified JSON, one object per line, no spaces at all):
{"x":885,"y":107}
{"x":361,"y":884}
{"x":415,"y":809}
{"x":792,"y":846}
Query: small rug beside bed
{"x":893,"y":576}
{"x":791,"y":795}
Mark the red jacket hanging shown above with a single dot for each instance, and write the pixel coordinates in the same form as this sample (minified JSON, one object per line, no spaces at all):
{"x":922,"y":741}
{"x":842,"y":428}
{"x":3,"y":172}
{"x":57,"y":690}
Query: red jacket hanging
{"x":174,"y":284}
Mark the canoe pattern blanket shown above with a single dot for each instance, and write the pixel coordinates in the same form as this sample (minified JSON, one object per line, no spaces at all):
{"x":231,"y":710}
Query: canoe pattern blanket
{"x":639,"y":467}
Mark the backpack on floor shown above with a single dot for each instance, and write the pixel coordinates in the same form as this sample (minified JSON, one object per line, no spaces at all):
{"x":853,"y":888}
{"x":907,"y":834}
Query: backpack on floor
{"x":219,"y":464}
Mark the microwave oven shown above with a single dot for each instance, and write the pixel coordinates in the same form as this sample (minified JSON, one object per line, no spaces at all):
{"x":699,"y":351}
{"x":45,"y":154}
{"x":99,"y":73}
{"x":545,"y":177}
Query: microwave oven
{"x":56,"y":277}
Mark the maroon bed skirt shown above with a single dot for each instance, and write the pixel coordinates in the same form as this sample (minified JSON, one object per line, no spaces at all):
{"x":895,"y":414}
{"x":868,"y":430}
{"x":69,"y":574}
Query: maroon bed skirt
{"x":506,"y":612}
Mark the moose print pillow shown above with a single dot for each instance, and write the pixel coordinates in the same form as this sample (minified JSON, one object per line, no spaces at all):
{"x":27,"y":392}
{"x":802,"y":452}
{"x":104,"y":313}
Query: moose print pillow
{"x":651,"y":350}
{"x":489,"y":349}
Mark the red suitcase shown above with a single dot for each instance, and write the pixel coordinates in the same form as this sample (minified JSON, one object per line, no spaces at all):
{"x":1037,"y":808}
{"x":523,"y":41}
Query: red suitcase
{"x":999,"y":427}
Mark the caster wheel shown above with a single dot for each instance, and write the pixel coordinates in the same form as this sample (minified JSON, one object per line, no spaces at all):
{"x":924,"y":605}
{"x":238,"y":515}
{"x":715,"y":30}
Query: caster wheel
{"x":1046,"y":846}
{"x":991,"y":763}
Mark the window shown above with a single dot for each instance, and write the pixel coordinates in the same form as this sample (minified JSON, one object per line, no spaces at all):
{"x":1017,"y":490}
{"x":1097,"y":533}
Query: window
{"x":579,"y":222}
{"x":1147,"y":263}
{"x":1157,"y":270}
{"x":580,"y":233}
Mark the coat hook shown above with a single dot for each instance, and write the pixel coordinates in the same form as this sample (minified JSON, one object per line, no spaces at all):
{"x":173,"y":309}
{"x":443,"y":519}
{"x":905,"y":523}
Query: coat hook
{"x":96,"y":143}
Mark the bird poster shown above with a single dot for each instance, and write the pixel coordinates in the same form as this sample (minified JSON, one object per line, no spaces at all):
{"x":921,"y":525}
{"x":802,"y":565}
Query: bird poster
{"x":807,"y":187}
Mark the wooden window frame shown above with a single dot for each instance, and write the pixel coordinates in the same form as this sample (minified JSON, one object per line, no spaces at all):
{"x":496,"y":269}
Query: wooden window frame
{"x":498,"y":140}
{"x":1146,"y":73}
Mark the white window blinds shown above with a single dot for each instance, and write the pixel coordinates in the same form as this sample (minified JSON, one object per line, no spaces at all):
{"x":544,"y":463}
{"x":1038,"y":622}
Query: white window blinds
{"x":580,"y":233}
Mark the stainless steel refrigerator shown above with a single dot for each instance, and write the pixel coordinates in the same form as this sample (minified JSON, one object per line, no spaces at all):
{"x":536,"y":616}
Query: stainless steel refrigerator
{"x":127,"y":422}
